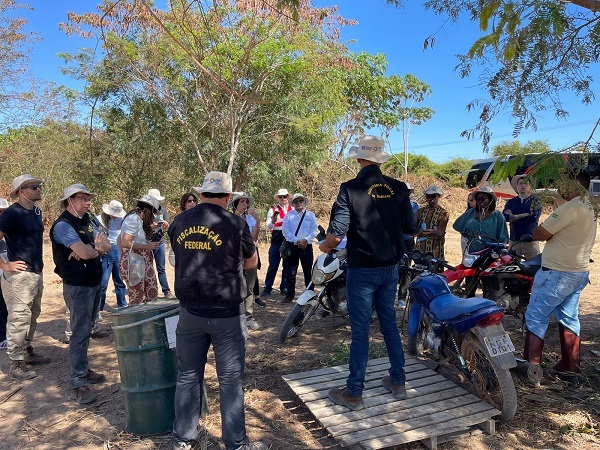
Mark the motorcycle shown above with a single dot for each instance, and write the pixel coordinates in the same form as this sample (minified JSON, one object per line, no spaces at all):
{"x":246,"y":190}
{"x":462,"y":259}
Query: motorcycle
{"x":467,"y":332}
{"x":328,"y":274}
{"x":502,"y":274}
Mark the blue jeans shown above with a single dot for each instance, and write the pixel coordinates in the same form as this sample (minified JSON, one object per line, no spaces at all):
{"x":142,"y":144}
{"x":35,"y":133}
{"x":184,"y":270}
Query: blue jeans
{"x":110,"y":265}
{"x":274,"y":259}
{"x":159,"y":258}
{"x":366,"y":287}
{"x":83,"y":303}
{"x":555,"y":292}
{"x":228,"y":337}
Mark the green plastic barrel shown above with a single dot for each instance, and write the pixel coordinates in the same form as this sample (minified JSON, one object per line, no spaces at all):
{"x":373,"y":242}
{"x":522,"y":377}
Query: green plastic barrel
{"x":147,"y":365}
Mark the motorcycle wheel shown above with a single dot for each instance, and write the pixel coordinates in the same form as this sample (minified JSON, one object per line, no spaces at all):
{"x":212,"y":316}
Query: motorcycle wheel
{"x":492,"y":384}
{"x":415,"y":345}
{"x":295,"y":319}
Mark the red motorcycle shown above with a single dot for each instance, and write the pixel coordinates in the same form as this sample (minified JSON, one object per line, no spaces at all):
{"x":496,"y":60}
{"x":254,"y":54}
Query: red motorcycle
{"x":502,"y":274}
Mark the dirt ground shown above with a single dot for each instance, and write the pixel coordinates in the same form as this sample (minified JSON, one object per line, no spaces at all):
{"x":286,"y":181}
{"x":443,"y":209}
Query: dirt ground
{"x":39,"y":414}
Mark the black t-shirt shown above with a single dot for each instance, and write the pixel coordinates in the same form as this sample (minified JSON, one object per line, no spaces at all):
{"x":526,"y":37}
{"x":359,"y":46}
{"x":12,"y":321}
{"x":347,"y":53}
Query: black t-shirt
{"x":210,"y":244}
{"x":24,"y":231}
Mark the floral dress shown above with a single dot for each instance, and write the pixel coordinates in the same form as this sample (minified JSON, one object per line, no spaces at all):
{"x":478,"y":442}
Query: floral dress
{"x":146,"y":290}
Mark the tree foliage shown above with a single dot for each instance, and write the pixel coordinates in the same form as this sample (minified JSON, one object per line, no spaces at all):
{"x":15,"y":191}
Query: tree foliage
{"x":531,"y":52}
{"x":507,"y":148}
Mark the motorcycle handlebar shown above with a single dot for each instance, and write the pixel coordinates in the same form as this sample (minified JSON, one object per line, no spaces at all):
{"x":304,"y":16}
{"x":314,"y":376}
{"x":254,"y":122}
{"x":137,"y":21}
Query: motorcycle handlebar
{"x":441,"y":262}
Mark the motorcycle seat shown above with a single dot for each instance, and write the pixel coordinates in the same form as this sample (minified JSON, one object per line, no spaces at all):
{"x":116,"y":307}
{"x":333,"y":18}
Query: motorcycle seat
{"x":531,"y":266}
{"x":449,"y":306}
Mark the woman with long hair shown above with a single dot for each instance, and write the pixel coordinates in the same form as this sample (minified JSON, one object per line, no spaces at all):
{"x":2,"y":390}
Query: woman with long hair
{"x":188,"y":201}
{"x":136,"y":232}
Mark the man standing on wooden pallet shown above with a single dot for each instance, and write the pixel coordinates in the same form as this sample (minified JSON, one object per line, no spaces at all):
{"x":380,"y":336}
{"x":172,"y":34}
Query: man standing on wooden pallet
{"x":373,"y":211}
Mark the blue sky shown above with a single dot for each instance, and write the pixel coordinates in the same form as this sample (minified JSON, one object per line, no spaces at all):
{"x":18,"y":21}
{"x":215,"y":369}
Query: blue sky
{"x":399,"y":34}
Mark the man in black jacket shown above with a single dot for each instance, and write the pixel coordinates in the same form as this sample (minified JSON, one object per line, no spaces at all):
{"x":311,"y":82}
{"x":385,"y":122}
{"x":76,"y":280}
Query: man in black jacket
{"x":77,"y":244}
{"x":374,"y":212}
{"x":212,"y":247}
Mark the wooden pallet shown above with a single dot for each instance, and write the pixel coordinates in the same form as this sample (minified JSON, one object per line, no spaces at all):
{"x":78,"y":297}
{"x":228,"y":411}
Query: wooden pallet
{"x":436,"y":410}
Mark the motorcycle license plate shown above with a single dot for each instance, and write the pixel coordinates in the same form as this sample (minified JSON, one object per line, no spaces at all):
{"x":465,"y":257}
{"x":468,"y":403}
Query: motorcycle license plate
{"x":499,"y":344}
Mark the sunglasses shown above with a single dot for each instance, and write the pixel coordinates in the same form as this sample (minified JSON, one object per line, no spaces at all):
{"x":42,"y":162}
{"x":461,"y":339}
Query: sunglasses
{"x":299,"y":200}
{"x":483,"y":198}
{"x":34,"y":187}
{"x":430,"y":196}
{"x":282,"y":196}
{"x":191,"y":200}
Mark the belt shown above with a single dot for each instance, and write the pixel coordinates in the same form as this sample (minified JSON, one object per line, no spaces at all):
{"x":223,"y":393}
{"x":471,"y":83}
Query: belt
{"x":545,"y":269}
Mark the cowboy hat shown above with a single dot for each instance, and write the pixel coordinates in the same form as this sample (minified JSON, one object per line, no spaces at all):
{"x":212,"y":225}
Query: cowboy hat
{"x":149,"y":200}
{"x":486,"y":190}
{"x":156,"y":194}
{"x":114,"y":208}
{"x":370,"y":148}
{"x":216,"y":183}
{"x":298,"y":195}
{"x":71,"y":190}
{"x":514,"y":181}
{"x":22,"y":180}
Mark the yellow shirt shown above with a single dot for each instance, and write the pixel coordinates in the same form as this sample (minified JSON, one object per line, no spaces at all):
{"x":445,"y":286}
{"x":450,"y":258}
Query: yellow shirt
{"x":573,"y":225}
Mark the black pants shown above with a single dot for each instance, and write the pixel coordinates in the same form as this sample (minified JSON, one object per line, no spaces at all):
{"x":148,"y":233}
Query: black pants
{"x":304,"y":257}
{"x":3,"y":317}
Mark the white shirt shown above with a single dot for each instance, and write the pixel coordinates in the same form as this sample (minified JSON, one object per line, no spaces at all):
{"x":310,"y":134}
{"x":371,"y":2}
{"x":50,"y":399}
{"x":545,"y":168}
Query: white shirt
{"x":308,"y":229}
{"x":134,"y":226}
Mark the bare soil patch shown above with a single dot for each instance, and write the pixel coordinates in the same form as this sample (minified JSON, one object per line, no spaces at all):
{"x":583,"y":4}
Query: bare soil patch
{"x":39,"y":414}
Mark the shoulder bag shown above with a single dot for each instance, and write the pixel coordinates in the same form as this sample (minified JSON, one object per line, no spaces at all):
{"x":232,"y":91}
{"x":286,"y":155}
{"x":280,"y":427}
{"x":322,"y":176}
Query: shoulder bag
{"x":286,"y":247}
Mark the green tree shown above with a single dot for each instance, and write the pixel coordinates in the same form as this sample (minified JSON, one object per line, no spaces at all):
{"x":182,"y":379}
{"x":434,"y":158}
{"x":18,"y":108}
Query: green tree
{"x":507,"y":148}
{"x":236,"y":81}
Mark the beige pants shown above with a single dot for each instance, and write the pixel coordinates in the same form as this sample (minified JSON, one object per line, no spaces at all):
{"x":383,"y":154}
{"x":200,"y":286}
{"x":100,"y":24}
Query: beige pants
{"x":23,"y":296}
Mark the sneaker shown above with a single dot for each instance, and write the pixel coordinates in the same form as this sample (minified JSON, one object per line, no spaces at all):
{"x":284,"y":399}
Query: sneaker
{"x":4,"y":344}
{"x":95,"y":377}
{"x":287,"y":299}
{"x":322,"y":313}
{"x":99,"y":335}
{"x":169,"y":295}
{"x":340,"y":396}
{"x":34,"y":358}
{"x":260,"y":302}
{"x":265,"y":292}
{"x":84,"y":395}
{"x":189,"y":445}
{"x":252,"y":324}
{"x":397,"y":390}
{"x":20,"y":371}
{"x":258,"y":445}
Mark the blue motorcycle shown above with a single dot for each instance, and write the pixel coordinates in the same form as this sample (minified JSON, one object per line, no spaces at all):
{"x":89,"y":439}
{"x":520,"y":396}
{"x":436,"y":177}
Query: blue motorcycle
{"x":465,"y":332}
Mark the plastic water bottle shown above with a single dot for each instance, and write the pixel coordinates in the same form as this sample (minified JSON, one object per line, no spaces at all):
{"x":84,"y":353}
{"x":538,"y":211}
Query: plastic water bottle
{"x":422,"y":238}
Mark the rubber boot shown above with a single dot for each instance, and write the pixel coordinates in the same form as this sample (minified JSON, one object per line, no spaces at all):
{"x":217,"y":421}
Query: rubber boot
{"x":568,"y":366}
{"x":533,"y":348}
{"x":533,"y":353}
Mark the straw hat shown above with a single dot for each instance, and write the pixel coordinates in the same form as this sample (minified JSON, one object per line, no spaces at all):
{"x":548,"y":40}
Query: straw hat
{"x":514,"y":181}
{"x":239,"y":195}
